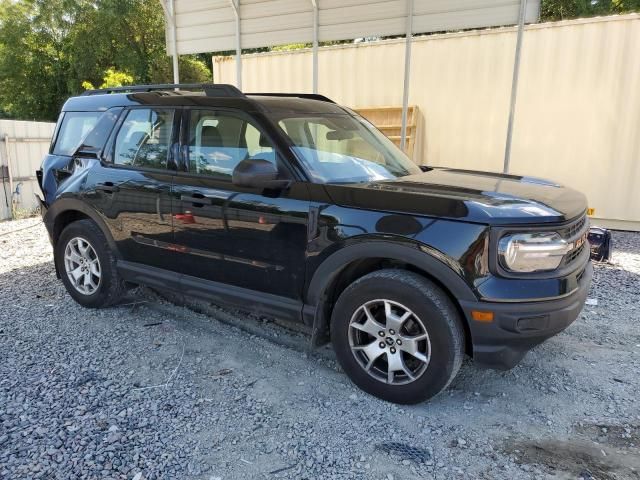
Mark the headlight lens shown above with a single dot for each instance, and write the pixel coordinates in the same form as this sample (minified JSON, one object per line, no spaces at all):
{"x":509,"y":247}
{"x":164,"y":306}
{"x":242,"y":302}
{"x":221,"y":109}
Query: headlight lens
{"x":532,"y":252}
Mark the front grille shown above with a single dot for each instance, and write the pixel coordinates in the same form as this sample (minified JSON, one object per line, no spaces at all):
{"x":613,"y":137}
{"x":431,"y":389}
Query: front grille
{"x":568,"y":233}
{"x":573,"y":254}
{"x":575,"y":232}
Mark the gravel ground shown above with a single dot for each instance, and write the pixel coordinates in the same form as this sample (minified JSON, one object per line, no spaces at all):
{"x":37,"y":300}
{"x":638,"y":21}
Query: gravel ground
{"x":150,"y":389}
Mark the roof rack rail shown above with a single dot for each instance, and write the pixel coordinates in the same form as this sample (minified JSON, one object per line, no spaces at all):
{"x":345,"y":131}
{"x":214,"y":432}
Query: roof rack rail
{"x":310,"y":96}
{"x":210,"y":89}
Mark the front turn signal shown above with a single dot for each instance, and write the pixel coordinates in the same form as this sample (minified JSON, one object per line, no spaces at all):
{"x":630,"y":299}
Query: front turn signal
{"x":480,"y":316}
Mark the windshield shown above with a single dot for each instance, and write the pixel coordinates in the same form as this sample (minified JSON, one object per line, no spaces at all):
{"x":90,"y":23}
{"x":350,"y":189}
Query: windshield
{"x":341,"y":148}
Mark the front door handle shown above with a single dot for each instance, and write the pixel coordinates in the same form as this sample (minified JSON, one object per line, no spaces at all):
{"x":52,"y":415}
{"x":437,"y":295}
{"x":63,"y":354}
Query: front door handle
{"x":107,"y":187}
{"x":196,"y":198}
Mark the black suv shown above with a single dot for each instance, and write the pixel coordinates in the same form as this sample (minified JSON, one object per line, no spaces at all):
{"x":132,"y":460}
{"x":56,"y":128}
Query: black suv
{"x":295,"y":207}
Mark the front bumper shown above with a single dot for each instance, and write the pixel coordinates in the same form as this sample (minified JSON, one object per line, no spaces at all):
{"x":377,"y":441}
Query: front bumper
{"x":518,"y":327}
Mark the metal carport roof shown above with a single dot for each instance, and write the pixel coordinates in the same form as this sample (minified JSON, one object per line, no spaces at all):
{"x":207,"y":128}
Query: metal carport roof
{"x":209,"y":25}
{"x":198,"y":26}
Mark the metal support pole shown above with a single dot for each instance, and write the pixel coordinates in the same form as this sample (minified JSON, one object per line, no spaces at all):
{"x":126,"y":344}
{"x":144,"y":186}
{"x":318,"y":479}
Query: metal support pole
{"x":174,"y":30}
{"x":8,"y":157}
{"x":235,"y":4}
{"x":407,"y":72}
{"x":315,"y":45}
{"x":170,"y":18}
{"x":514,"y":86}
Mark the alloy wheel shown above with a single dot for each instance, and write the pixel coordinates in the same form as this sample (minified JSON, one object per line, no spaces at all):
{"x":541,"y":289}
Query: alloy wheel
{"x":82,"y":266}
{"x":389,"y":341}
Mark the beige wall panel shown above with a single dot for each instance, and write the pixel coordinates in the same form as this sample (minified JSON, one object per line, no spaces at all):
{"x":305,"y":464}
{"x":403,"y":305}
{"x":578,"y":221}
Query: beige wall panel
{"x":461,"y":85}
{"x":578,"y":114}
{"x":25,"y":158}
{"x":578,"y":108}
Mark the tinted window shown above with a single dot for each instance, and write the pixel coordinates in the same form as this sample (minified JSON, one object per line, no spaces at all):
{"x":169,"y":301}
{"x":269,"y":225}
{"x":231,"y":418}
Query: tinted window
{"x":75,"y":126}
{"x":144,"y":138}
{"x":96,"y":138}
{"x":218,"y":141}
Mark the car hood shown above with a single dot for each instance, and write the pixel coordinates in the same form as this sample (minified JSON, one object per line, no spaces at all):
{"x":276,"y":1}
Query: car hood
{"x":466,"y":195}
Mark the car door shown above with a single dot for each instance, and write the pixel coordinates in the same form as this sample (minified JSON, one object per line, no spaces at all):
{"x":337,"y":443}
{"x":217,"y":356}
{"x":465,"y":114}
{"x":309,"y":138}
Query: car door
{"x":246,"y":237}
{"x":132,"y":186}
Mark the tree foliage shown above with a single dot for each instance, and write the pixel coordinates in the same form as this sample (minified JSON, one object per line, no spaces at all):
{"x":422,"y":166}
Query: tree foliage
{"x":551,"y":10}
{"x":112,"y":78}
{"x":48,"y":48}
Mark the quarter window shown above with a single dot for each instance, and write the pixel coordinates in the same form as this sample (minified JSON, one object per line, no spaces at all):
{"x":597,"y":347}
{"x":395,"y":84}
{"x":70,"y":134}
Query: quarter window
{"x":218,"y":141}
{"x":75,"y":126}
{"x":144,"y":138}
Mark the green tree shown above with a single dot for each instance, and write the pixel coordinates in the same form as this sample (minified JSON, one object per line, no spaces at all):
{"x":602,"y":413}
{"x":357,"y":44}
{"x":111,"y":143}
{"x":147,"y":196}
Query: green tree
{"x":48,"y":48}
{"x":34,"y":58}
{"x":112,"y":78}
{"x":551,"y":10}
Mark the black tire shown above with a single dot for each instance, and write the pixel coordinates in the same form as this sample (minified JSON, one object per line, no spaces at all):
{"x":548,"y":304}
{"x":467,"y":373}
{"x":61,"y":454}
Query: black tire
{"x":111,"y":287}
{"x":433,"y":308}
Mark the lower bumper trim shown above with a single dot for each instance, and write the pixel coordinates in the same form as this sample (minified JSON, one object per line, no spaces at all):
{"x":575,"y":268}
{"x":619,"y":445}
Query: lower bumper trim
{"x":518,"y":327}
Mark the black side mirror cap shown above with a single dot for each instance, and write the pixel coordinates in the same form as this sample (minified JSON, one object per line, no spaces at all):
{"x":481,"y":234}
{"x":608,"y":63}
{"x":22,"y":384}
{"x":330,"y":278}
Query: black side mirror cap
{"x":258,"y":173}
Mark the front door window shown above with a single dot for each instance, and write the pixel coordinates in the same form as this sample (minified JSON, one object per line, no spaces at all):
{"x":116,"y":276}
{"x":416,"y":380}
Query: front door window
{"x":219,"y":141}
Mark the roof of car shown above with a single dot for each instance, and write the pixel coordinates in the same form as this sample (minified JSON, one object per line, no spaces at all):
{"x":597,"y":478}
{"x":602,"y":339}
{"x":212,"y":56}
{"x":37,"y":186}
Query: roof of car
{"x":275,"y":103}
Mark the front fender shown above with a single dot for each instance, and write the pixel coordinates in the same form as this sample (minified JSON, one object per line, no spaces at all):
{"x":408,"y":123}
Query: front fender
{"x":411,"y":253}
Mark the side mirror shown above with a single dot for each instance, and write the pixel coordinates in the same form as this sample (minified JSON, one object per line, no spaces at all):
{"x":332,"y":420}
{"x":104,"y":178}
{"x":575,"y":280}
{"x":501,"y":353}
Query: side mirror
{"x":257,"y":173}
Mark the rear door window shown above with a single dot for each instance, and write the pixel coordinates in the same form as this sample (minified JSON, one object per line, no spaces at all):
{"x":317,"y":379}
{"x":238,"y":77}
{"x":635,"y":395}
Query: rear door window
{"x":144,"y":139}
{"x":74,"y":127}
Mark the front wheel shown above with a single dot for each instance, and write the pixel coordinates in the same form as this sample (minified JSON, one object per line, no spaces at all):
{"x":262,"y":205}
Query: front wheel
{"x":397,"y":336}
{"x":87,"y":266}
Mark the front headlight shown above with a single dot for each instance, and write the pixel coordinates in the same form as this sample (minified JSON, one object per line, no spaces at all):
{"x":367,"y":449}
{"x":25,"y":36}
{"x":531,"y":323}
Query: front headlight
{"x":532,"y":252}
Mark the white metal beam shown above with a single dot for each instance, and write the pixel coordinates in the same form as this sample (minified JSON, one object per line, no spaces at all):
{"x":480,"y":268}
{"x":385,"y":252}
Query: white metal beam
{"x":314,"y":3}
{"x":514,"y":86}
{"x":407,"y":73}
{"x":170,"y":18}
{"x":174,"y":30}
{"x":235,"y":4}
{"x":165,"y":10}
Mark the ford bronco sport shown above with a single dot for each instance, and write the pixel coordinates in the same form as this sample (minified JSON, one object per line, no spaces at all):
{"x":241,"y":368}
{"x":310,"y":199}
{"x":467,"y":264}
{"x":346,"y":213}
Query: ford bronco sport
{"x":295,"y":207}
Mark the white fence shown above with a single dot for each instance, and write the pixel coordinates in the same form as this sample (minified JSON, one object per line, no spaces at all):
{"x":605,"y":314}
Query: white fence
{"x":578,"y":107}
{"x":22,"y":147}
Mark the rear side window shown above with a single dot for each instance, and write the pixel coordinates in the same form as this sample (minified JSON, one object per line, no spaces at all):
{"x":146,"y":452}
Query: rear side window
{"x":144,"y":138}
{"x":96,"y":138}
{"x":74,"y":127}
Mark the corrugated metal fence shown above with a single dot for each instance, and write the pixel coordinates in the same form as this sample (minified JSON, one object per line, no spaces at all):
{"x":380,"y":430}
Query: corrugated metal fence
{"x":578,"y":108}
{"x":22,"y":147}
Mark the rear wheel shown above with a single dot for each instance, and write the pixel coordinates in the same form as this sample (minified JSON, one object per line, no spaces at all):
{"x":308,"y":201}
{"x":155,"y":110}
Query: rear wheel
{"x":397,"y":336}
{"x":87,"y":266}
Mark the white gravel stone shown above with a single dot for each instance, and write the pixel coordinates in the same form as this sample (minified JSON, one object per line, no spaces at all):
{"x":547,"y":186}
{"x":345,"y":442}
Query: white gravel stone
{"x":90,"y":393}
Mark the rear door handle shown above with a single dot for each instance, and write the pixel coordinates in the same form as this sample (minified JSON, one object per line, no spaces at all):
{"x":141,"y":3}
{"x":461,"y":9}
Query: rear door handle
{"x":196,"y":198}
{"x":107,"y":187}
